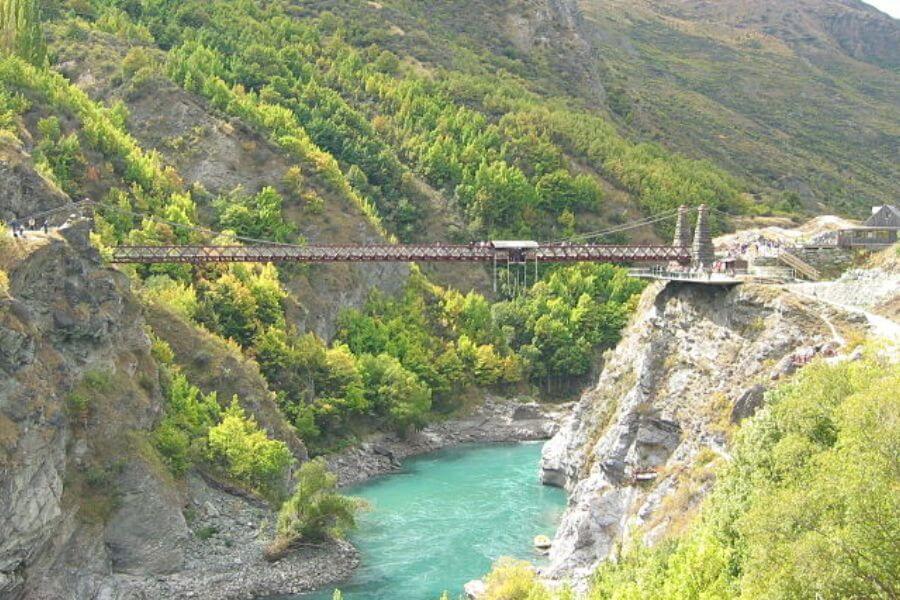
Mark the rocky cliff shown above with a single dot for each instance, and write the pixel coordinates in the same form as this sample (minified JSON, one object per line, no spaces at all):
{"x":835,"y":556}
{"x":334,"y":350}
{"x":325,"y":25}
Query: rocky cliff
{"x":634,"y":454}
{"x":88,"y":510}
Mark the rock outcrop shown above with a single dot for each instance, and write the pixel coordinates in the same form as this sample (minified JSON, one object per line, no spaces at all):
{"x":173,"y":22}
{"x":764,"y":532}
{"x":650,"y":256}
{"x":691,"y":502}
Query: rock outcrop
{"x":88,"y":510}
{"x":694,"y":361}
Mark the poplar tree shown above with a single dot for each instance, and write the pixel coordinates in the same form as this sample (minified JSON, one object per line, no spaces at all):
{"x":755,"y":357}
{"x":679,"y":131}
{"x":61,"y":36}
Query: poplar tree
{"x":20,"y":30}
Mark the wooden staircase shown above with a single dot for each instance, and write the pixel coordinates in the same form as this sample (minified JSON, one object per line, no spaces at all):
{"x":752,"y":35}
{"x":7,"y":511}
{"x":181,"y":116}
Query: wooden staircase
{"x":799,"y":265}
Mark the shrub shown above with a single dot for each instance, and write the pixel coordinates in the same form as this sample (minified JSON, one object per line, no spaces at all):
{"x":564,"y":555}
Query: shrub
{"x":161,"y":351}
{"x":514,"y":580}
{"x":248,"y":454}
{"x":98,"y":381}
{"x":4,"y":282}
{"x":178,"y":297}
{"x":174,"y":445}
{"x":316,"y":511}
{"x":78,"y":404}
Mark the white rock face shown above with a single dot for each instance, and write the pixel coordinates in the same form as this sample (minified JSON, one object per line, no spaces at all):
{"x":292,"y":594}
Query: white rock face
{"x":667,"y":392}
{"x":475,"y":589}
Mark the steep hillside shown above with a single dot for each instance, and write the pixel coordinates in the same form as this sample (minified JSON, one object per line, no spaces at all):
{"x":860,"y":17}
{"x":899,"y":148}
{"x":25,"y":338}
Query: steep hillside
{"x":91,"y":508}
{"x":793,"y":97}
{"x":694,"y":364}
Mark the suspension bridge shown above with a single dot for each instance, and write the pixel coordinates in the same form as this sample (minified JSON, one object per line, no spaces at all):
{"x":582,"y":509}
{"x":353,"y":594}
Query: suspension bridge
{"x":691,"y":250}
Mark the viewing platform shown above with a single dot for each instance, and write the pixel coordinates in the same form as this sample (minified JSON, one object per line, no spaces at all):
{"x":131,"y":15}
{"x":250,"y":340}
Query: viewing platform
{"x":704,"y":277}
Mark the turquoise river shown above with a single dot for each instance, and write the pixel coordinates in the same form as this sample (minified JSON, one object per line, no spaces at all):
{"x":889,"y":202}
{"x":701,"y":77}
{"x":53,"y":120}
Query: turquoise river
{"x":445,"y":518}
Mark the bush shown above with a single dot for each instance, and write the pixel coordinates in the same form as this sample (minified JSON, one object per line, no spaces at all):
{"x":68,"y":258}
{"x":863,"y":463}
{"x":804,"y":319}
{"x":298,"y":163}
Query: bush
{"x":316,"y":511}
{"x":4,"y":282}
{"x":248,"y":454}
{"x":174,"y":444}
{"x":517,"y":580}
{"x":174,"y":295}
{"x":78,"y":404}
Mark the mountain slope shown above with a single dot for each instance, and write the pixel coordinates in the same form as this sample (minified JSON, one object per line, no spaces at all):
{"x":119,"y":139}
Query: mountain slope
{"x":795,"y":97}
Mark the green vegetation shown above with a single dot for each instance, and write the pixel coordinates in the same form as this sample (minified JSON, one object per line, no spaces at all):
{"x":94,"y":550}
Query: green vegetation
{"x":516,"y":580}
{"x":181,"y":436}
{"x":809,"y":507}
{"x":58,"y":155}
{"x":20,"y":30}
{"x":258,"y":216}
{"x":557,"y":326}
{"x":247,"y":453}
{"x":359,"y":119}
{"x":315,"y":511}
{"x":81,"y":401}
{"x":196,"y":430}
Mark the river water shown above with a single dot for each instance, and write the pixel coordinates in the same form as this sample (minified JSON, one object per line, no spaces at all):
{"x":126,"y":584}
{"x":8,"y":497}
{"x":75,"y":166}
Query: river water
{"x":446,"y":518}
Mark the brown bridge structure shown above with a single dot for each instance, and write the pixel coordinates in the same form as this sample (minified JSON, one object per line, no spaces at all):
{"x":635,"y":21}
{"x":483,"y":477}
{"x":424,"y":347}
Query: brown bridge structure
{"x":692,"y":254}
{"x":698,"y":251}
{"x":515,"y":252}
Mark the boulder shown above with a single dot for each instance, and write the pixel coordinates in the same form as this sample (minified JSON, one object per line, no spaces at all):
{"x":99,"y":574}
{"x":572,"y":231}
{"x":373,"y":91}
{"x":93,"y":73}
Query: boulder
{"x":542,"y":542}
{"x":527,"y":412}
{"x":748,"y":403}
{"x":475,"y":589}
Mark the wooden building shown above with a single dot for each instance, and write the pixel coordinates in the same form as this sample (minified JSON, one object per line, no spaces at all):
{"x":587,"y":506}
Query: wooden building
{"x":878,"y":231}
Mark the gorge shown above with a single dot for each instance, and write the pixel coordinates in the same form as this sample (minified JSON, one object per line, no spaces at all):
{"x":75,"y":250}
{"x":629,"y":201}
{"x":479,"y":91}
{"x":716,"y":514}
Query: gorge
{"x":178,"y":423}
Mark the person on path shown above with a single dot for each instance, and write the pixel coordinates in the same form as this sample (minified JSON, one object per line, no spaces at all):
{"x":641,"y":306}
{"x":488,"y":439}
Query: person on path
{"x":45,"y":226}
{"x":31,"y":224}
{"x":15,"y":228}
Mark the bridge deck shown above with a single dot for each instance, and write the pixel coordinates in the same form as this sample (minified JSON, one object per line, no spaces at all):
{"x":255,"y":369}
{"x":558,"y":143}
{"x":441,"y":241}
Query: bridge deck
{"x":480,"y":252}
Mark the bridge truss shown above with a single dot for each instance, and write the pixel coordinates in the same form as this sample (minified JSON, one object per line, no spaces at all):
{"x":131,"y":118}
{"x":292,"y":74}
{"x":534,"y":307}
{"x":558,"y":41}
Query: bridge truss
{"x":478,"y":252}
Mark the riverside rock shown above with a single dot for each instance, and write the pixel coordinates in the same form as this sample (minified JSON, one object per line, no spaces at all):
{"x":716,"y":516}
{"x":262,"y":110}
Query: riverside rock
{"x":475,"y":589}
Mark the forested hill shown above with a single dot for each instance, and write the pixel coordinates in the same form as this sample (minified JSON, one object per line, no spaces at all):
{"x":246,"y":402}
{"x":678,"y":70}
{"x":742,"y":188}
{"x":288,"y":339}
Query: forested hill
{"x":796,"y":96}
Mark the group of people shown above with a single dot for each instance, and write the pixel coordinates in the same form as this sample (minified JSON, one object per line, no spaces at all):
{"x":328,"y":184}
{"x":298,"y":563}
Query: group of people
{"x":763,"y":247}
{"x":19,"y":229}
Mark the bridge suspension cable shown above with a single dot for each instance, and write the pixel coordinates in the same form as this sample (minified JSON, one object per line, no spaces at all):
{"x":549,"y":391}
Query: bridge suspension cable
{"x":651,"y":220}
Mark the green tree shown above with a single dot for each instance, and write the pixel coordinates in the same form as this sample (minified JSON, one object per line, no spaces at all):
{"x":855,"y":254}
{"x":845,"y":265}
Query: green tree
{"x":394,"y":391}
{"x":257,"y":216}
{"x":21,"y":32}
{"x":248,"y":454}
{"x":228,"y":307}
{"x":181,"y":435}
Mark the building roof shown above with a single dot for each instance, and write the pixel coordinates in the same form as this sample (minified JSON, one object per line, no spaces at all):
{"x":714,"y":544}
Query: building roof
{"x":884,"y":216}
{"x":514,"y":244}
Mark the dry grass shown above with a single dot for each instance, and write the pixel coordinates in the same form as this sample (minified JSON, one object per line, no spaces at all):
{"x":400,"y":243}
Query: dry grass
{"x":681,"y":506}
{"x":717,"y":412}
